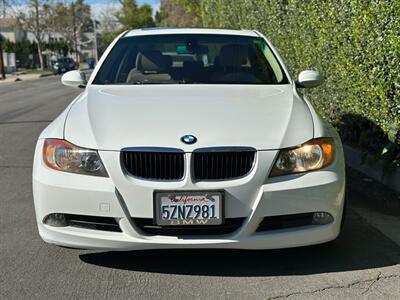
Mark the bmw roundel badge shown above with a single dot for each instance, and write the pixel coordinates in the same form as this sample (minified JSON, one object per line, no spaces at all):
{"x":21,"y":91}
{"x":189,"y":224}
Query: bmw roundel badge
{"x":189,"y":139}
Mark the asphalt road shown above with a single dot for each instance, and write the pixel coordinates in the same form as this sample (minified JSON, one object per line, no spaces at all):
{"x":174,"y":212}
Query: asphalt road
{"x":362,"y":263}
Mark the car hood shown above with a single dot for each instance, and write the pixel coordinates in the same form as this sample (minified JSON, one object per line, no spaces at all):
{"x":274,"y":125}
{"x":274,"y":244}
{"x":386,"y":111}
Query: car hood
{"x":259,"y":116}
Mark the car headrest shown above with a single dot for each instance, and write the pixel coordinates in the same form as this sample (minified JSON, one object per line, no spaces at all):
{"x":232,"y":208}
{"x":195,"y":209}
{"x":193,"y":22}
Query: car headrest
{"x":217,"y":61}
{"x":233,"y":55}
{"x":152,"y":61}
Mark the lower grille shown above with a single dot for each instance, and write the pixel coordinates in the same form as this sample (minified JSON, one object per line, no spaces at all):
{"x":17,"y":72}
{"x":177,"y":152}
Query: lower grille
{"x":154,"y":165}
{"x":230,"y":225}
{"x":219,"y":165}
{"x":285,"y":221}
{"x":93,"y":222}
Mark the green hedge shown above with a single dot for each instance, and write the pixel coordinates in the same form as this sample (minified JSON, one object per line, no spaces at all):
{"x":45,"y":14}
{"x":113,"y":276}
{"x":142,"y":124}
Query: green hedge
{"x":27,"y":47}
{"x":354,"y":44}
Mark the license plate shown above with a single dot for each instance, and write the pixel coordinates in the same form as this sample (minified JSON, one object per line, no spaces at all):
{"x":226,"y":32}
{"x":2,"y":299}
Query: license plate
{"x":188,"y":208}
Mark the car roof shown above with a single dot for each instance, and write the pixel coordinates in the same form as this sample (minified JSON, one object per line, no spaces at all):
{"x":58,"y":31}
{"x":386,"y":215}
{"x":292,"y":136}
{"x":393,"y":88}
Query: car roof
{"x":165,"y":30}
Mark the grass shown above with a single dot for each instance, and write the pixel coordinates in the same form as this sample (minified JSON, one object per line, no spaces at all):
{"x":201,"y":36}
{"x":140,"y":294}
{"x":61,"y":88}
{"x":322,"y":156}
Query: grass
{"x":35,"y":71}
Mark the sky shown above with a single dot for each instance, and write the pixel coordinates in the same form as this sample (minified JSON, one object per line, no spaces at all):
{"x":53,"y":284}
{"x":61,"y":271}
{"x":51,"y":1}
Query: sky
{"x":151,"y":2}
{"x":98,"y":7}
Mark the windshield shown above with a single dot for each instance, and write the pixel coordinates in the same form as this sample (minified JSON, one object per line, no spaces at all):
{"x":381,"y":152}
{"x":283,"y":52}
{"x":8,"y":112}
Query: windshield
{"x":191,"y":58}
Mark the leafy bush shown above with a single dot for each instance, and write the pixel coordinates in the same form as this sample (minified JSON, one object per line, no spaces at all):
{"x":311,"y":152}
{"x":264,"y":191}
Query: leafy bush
{"x":27,"y":47}
{"x":355,"y":44}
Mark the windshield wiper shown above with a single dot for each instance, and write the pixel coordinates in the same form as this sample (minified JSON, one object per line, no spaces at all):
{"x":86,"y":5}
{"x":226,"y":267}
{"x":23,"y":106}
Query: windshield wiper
{"x":185,"y":81}
{"x":163,"y":82}
{"x":148,"y":82}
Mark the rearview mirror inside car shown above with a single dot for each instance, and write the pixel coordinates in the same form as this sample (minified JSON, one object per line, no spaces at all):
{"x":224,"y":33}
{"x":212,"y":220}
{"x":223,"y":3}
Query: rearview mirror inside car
{"x":191,"y":48}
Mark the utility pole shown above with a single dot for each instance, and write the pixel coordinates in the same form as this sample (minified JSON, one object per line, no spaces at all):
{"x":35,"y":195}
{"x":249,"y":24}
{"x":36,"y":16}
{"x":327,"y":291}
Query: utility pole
{"x":3,"y":71}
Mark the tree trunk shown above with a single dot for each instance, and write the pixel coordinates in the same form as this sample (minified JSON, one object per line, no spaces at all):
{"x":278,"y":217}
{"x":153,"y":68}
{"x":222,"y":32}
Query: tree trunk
{"x":39,"y":48}
{"x":75,"y":35}
{"x":38,"y":34}
{"x":2,"y":70}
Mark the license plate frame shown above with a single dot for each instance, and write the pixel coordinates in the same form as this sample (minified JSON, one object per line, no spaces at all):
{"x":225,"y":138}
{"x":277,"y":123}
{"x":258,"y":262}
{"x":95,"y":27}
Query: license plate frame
{"x":157,"y":212}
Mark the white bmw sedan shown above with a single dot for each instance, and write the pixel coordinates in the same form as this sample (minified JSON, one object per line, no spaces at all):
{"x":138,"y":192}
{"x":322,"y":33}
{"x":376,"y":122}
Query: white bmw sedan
{"x":189,"y":138}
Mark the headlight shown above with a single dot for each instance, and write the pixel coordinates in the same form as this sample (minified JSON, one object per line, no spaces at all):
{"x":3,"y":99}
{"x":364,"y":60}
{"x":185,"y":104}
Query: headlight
{"x":313,"y":155}
{"x":63,"y":156}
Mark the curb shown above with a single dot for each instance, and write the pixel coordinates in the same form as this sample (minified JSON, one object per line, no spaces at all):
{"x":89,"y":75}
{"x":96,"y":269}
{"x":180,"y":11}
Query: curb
{"x":387,"y":225}
{"x":24,"y":77}
{"x":372,"y":168}
{"x":46,"y":75}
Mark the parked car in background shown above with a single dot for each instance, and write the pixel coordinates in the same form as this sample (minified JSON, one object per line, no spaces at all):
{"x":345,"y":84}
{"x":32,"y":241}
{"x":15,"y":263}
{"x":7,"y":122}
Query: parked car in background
{"x":63,"y":64}
{"x":189,"y":138}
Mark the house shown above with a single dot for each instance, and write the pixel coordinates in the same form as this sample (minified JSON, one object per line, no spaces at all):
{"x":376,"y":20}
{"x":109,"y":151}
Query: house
{"x":10,"y":30}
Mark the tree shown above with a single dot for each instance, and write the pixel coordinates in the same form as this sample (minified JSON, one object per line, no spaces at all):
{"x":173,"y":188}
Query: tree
{"x":133,"y":16}
{"x":193,"y":7}
{"x":71,"y":20}
{"x":110,"y":28}
{"x":129,"y":16}
{"x":6,"y":6}
{"x":35,"y":21}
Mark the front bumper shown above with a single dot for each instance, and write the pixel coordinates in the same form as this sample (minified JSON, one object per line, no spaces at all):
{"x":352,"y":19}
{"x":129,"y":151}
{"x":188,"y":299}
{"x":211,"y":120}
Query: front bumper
{"x":253,"y":197}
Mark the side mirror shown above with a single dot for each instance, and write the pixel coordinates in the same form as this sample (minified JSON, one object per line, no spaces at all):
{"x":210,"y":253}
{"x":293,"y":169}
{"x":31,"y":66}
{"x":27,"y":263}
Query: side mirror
{"x":309,"y":79}
{"x":74,"y":78}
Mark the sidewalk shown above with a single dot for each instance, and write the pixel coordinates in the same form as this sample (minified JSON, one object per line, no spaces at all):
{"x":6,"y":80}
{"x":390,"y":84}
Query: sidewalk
{"x":378,"y":205}
{"x":19,"y":76}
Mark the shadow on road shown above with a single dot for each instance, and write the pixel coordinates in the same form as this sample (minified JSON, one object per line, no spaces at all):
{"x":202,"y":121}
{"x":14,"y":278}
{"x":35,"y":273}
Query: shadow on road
{"x":359,"y":247}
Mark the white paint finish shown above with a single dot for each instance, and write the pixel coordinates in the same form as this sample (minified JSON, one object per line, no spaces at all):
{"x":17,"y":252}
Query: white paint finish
{"x":240,"y":194}
{"x":310,"y":79}
{"x":74,"y":78}
{"x":263,"y":117}
{"x":56,"y":128}
{"x":254,"y":196}
{"x":70,"y":193}
{"x":163,"y":31}
{"x":91,"y":239}
{"x":104,"y":207}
